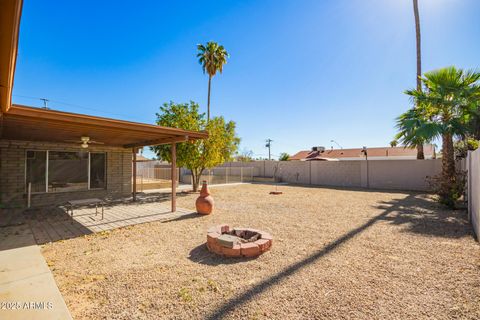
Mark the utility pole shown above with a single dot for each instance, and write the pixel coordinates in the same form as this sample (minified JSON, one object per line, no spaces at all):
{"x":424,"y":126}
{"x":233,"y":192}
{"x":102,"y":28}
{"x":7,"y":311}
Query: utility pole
{"x":269,"y":142}
{"x":45,"y":103}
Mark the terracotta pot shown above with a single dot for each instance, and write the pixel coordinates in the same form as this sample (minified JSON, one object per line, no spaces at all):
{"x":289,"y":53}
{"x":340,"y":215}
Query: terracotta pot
{"x":204,"y":203}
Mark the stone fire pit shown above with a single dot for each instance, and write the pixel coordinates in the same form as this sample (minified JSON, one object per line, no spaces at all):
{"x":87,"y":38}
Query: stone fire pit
{"x":238,"y":242}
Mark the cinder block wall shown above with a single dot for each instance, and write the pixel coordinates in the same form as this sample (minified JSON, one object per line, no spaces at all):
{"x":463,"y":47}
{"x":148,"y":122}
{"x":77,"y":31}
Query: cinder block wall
{"x":473,"y":167}
{"x":12,"y":174}
{"x":375,"y":174}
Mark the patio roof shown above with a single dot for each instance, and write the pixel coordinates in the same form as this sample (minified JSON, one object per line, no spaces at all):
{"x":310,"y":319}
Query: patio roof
{"x":10,"y":12}
{"x":36,"y":124}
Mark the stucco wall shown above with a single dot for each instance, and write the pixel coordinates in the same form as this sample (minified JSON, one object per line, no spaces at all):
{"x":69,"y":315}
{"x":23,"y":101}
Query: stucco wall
{"x":12,"y":174}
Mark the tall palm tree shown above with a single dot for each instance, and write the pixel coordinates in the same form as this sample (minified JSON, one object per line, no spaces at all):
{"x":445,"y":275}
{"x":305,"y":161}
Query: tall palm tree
{"x":212,"y":57}
{"x":420,"y":153}
{"x":442,"y":109}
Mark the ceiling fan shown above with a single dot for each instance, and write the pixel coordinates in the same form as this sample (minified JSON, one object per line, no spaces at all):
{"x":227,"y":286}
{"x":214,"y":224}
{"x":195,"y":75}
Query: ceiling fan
{"x":85,"y":141}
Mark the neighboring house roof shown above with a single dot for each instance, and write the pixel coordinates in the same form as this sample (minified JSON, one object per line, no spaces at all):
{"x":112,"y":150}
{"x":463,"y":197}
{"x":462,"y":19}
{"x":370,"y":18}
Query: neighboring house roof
{"x":317,"y":157}
{"x":382,"y":152}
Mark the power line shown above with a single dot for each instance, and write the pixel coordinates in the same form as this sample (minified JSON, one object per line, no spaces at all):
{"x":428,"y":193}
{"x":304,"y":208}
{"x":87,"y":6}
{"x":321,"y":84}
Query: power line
{"x":45,"y":103}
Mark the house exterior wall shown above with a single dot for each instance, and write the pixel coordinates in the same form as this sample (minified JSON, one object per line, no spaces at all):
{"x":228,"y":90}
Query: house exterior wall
{"x":12,"y":174}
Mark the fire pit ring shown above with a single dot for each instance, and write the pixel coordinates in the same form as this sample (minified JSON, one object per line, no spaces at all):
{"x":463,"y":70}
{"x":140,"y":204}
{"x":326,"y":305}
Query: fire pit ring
{"x":238,"y":242}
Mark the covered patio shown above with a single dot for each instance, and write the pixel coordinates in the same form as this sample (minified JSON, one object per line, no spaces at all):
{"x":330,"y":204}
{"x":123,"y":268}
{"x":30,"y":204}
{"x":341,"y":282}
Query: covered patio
{"x":27,"y":129}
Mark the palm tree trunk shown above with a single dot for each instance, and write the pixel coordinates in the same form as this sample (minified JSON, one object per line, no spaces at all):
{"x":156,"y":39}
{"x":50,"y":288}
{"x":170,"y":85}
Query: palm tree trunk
{"x":419,"y":44}
{"x":208,"y":105}
{"x":420,"y":153}
{"x":448,"y":159}
{"x":448,"y":168}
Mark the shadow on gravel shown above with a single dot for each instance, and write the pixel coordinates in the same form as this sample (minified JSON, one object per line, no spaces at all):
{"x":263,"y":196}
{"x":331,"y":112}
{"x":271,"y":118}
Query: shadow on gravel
{"x":200,"y":254}
{"x":189,"y":216}
{"x":404,"y":210}
{"x":422,"y":216}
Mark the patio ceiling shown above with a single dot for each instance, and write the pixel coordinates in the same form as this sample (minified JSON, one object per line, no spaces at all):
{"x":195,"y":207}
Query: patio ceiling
{"x":35,"y":124}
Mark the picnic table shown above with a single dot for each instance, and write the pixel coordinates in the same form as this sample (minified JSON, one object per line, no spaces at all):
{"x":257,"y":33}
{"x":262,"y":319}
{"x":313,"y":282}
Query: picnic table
{"x":85,"y":202}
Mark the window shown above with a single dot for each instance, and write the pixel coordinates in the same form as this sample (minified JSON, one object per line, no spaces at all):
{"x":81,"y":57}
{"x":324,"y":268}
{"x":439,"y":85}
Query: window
{"x":56,"y":171}
{"x":67,"y":171}
{"x":36,"y":170}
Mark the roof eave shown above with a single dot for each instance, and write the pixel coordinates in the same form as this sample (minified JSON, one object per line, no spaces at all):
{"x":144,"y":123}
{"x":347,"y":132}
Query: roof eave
{"x":10,"y":14}
{"x":20,"y":110}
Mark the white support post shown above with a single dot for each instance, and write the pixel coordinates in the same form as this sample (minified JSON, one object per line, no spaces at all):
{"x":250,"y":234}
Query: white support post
{"x":88,"y":187}
{"x":29,"y":199}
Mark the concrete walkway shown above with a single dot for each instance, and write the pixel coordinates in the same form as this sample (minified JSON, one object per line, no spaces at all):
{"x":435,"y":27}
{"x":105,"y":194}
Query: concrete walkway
{"x":27,"y":287}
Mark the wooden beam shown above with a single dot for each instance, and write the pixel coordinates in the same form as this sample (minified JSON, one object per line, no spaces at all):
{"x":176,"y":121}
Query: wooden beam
{"x":174,"y":177}
{"x":134,"y":174}
{"x":156,"y":142}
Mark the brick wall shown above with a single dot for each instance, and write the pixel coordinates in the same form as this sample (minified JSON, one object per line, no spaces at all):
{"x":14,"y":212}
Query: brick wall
{"x":12,"y":174}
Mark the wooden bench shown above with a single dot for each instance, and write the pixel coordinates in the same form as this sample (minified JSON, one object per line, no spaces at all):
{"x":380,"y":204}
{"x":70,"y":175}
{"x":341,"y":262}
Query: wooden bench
{"x":85,"y":202}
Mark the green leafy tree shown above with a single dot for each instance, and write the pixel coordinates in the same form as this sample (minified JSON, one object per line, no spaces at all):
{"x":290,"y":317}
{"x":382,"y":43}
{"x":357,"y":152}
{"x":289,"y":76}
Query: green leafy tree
{"x":212,"y":57}
{"x":393,"y":143}
{"x":443,"y":110}
{"x":198,"y":155}
{"x":284,"y":156}
{"x":462,"y":147}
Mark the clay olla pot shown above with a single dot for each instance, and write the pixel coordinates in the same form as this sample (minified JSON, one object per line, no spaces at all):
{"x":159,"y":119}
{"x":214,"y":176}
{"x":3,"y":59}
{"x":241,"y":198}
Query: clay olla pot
{"x":204,"y":202}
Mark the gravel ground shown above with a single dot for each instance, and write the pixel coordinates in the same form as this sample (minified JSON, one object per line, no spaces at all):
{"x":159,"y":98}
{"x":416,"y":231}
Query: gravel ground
{"x":336,"y":254}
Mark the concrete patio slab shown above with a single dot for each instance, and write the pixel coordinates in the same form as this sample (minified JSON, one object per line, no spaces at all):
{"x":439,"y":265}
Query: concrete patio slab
{"x":53,"y":224}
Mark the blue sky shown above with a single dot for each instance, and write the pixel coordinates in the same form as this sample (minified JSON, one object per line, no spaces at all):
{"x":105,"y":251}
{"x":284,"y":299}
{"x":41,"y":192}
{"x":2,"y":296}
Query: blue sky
{"x":301,"y":72}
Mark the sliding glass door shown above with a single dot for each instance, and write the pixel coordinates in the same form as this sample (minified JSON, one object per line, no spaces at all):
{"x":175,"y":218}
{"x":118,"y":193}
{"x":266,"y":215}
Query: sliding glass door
{"x":63,"y":171}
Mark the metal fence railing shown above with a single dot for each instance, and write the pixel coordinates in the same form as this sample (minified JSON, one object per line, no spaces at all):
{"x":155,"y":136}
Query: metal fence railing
{"x":154,"y":178}
{"x":160,"y":178}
